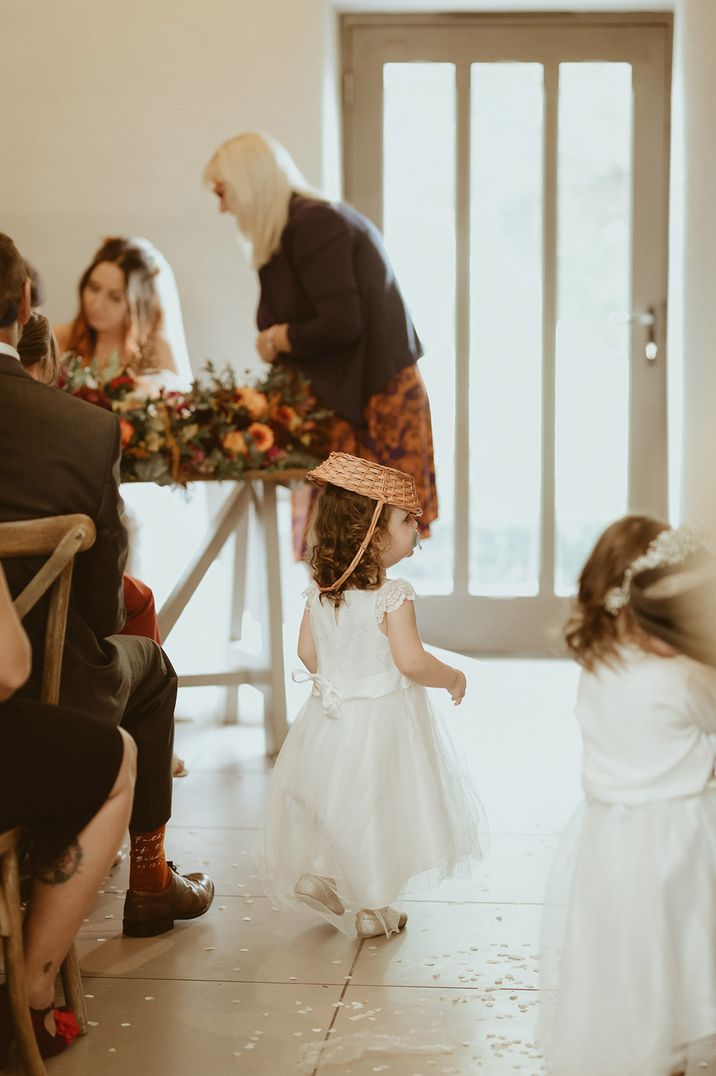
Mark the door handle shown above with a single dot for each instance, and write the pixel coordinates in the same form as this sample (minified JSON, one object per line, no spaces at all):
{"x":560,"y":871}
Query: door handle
{"x":647,"y":318}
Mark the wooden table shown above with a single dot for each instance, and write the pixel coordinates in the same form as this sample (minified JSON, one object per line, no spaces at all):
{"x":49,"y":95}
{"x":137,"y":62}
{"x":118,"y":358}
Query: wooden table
{"x":255,"y":493}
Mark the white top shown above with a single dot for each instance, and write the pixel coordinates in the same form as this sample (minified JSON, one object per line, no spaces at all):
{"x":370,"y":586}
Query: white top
{"x":8,"y":349}
{"x":354,"y":657}
{"x":649,"y":728}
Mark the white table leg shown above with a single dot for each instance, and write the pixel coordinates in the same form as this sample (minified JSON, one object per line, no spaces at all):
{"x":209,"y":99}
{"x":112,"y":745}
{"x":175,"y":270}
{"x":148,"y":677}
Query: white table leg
{"x":275,"y":722}
{"x":242,"y":544}
{"x":267,"y":671}
{"x":216,"y":537}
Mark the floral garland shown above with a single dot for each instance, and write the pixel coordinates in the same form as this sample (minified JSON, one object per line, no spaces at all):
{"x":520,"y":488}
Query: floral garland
{"x":216,"y":429}
{"x":669,"y":548}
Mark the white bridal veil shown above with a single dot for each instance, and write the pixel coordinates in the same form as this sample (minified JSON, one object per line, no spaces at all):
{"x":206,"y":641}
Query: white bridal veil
{"x":168,"y":294}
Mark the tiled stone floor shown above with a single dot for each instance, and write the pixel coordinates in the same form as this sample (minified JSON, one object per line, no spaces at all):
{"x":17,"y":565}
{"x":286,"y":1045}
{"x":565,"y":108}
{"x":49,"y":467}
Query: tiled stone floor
{"x":246,"y":988}
{"x":249,"y":990}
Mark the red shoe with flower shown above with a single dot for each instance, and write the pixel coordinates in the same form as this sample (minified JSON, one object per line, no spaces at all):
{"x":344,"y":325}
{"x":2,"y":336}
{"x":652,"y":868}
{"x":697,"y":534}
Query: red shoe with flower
{"x":66,"y":1028}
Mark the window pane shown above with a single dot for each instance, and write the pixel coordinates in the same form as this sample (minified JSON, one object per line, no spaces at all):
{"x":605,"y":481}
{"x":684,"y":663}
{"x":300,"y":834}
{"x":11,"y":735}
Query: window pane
{"x":593,"y":300}
{"x":505,"y":327}
{"x":419,"y":228}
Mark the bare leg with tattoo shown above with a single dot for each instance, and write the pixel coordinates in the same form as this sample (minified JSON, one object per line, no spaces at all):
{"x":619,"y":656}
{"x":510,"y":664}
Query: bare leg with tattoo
{"x":62,"y":895}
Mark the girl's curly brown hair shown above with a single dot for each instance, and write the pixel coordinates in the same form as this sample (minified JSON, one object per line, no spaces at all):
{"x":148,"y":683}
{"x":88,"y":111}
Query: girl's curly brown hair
{"x":339,"y":524}
{"x":592,"y":634}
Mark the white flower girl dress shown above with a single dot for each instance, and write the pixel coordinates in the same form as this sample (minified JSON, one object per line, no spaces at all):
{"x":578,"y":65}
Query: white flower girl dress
{"x":368,"y":790}
{"x":628,"y":963}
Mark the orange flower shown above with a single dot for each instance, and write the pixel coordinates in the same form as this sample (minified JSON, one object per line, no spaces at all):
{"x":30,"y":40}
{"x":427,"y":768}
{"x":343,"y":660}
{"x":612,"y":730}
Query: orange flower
{"x":127,"y":431}
{"x":254,"y":401}
{"x":261,"y":435}
{"x":235,"y":443}
{"x":287,"y":417}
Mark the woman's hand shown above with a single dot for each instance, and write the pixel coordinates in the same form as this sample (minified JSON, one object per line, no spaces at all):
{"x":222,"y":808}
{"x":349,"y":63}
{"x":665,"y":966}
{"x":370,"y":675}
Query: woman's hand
{"x":272,"y":342}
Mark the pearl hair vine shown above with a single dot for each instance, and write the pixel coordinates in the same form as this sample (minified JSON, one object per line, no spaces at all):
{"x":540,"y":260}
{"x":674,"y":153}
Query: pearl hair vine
{"x":669,"y":548}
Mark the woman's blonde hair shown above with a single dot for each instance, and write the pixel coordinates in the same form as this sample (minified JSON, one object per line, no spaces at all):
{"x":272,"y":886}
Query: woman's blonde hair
{"x":258,"y":176}
{"x":592,"y":634}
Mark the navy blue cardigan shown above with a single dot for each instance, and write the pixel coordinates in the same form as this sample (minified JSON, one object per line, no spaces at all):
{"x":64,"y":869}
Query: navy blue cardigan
{"x":332,"y":282}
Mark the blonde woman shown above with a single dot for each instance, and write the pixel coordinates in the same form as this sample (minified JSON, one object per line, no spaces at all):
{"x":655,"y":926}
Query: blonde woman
{"x":330,"y":305}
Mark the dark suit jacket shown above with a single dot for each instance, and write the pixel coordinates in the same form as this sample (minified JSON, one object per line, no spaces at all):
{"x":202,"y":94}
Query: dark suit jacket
{"x":332,"y":282}
{"x":60,"y":455}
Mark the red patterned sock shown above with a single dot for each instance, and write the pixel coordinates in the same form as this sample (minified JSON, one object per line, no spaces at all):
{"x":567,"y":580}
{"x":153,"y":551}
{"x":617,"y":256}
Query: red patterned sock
{"x":148,"y":870}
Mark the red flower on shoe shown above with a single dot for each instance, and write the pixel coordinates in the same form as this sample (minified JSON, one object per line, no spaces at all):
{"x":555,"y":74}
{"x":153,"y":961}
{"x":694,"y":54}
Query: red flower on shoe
{"x":66,"y":1025}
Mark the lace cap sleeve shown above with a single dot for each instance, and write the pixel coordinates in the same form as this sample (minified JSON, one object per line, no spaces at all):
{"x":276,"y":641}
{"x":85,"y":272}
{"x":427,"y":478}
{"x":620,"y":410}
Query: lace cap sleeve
{"x":310,"y":593}
{"x":392,"y":595}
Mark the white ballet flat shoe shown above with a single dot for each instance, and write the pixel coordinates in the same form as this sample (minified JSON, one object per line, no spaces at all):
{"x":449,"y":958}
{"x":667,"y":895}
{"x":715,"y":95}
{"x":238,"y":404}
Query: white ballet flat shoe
{"x":319,"y":893}
{"x":385,"y":921}
{"x":179,"y":767}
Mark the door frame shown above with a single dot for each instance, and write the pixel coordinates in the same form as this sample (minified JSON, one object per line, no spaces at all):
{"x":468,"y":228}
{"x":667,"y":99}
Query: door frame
{"x":487,"y":624}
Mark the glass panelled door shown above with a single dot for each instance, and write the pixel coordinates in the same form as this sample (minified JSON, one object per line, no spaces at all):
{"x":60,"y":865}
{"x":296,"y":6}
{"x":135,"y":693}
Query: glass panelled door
{"x":517,"y":167}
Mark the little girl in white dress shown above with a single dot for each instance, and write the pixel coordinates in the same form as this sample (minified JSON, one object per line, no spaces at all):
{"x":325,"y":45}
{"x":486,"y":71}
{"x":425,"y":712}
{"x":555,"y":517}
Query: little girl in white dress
{"x":367,"y":792}
{"x":629,"y":932}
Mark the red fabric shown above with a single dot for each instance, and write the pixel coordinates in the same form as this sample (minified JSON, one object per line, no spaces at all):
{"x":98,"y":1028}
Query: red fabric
{"x":66,"y":1024}
{"x":141,"y":613}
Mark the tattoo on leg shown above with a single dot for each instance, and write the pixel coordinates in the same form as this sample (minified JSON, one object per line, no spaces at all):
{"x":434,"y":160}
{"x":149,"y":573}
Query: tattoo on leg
{"x":46,"y":967}
{"x":64,"y":867}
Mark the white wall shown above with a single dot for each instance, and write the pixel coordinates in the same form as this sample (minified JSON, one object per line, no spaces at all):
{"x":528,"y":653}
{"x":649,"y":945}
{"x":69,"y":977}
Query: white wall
{"x":697,"y":74}
{"x":116,"y":109}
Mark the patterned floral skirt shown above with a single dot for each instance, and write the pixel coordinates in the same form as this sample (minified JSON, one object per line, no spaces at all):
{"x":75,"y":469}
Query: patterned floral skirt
{"x":397,"y":433}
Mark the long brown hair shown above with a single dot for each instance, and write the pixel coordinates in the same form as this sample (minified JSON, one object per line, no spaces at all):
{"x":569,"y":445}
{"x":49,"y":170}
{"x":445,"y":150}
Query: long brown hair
{"x":592,"y":634}
{"x":145,"y":312}
{"x":339,"y":524}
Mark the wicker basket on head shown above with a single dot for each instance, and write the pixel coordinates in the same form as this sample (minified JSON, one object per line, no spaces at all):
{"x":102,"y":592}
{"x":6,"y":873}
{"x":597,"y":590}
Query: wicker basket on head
{"x":371,"y":479}
{"x":385,"y":485}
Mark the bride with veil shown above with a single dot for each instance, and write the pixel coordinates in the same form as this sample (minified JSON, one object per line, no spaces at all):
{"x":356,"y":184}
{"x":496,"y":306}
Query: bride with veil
{"x":170,"y":303}
{"x":129,"y":308}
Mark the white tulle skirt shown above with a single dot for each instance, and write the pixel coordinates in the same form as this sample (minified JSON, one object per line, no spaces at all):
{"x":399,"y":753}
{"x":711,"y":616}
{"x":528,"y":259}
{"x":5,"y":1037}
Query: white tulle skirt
{"x":373,"y":799}
{"x":629,"y":939}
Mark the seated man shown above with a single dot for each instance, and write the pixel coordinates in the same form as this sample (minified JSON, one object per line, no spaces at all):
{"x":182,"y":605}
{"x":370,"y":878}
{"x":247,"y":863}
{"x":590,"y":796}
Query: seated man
{"x":60,"y":455}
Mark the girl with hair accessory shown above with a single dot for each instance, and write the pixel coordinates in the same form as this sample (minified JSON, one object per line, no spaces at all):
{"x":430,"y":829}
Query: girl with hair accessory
{"x":367,"y":792}
{"x":628,"y":961}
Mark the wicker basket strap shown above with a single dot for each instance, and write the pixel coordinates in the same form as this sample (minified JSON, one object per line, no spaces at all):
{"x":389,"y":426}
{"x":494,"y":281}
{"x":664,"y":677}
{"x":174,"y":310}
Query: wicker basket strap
{"x":361,"y":550}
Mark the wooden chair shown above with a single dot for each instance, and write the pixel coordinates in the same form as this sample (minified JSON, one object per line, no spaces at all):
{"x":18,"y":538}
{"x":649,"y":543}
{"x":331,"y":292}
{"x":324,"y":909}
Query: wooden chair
{"x":59,"y":539}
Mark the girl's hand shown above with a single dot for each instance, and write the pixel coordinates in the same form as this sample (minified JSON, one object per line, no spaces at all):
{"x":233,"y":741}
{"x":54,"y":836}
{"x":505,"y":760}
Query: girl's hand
{"x":458,"y":687}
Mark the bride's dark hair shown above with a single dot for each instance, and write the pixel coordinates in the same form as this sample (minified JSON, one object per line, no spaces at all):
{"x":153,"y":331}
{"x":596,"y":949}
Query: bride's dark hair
{"x":339,"y":524}
{"x":145,"y":311}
